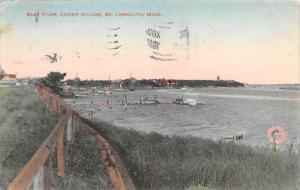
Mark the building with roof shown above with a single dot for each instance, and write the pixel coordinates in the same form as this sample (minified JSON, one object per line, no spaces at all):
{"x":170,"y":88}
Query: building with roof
{"x":7,"y":79}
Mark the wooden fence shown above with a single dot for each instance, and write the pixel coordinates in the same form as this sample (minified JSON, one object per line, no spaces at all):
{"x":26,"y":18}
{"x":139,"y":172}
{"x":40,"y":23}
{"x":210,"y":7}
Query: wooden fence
{"x":36,"y":173}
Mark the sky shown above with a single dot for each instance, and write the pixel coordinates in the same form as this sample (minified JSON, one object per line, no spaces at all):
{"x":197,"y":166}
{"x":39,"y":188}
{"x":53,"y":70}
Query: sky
{"x":254,"y":42}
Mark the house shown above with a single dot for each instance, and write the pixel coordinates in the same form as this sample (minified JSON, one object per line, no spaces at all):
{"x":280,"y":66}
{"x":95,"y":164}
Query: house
{"x":165,"y":82}
{"x":8,"y":79}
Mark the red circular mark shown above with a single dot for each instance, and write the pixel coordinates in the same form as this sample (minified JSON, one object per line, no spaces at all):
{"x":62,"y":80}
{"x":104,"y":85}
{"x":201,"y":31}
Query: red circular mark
{"x":282,"y":135}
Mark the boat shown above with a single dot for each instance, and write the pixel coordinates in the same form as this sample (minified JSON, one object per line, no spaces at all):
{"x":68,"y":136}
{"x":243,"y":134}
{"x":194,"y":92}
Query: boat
{"x":187,"y":101}
{"x":237,"y":137}
{"x":178,"y":101}
{"x":191,"y":102}
{"x":150,"y":100}
{"x":107,"y":90}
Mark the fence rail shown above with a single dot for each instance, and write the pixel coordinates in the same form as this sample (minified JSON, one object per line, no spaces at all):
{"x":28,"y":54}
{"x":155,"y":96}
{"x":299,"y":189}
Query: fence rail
{"x":37,"y":172}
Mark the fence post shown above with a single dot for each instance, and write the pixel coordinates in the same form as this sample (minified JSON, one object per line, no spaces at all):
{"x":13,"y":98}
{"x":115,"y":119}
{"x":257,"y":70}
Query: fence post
{"x":59,"y":106}
{"x":54,"y":104}
{"x":50,"y":103}
{"x":38,"y":180}
{"x":47,"y":174}
{"x":274,"y":145}
{"x":70,"y":129}
{"x":61,"y":155}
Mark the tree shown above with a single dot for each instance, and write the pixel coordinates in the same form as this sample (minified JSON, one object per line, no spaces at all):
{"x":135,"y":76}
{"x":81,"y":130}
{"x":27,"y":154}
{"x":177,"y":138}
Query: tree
{"x":53,"y":80}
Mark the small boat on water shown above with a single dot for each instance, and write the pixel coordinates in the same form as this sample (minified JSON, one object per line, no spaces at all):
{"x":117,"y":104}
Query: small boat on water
{"x":187,"y":101}
{"x":150,"y":100}
{"x":107,"y":90}
{"x":191,"y":102}
{"x":239,"y":136}
{"x":178,"y":101}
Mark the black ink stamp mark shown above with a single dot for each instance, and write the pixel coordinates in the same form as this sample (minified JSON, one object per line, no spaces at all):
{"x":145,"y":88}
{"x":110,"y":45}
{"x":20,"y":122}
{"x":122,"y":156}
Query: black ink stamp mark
{"x":161,"y":59}
{"x":115,"y":28}
{"x":153,"y":44}
{"x":161,"y":54}
{"x":153,"y":33}
{"x":117,"y":47}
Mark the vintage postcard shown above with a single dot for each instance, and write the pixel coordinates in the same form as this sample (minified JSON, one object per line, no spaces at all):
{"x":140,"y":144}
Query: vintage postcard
{"x":149,"y":94}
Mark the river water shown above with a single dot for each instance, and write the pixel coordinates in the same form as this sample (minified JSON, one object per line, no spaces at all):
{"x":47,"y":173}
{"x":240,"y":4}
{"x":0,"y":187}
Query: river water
{"x":225,"y":112}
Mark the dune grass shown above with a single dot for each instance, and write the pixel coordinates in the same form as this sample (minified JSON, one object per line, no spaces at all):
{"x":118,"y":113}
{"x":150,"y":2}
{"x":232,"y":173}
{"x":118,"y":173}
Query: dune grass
{"x":161,"y":162}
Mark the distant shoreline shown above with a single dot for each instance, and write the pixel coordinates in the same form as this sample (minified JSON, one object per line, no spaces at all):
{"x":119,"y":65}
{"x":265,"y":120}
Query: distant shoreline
{"x":153,"y":83}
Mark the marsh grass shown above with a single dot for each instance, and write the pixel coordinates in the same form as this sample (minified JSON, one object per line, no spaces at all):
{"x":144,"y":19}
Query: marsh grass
{"x":162,"y":162}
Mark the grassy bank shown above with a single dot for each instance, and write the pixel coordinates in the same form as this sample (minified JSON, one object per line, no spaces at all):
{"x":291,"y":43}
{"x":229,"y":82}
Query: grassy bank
{"x":161,"y":162}
{"x":3,"y":111}
{"x":84,"y":166}
{"x":24,"y":123}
